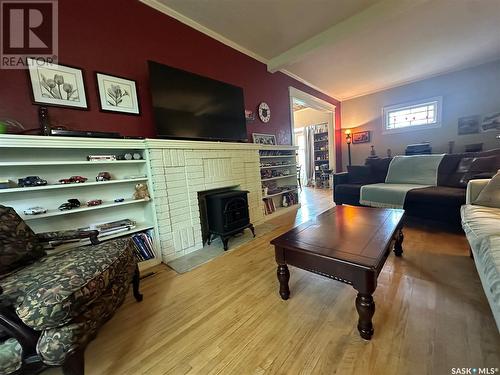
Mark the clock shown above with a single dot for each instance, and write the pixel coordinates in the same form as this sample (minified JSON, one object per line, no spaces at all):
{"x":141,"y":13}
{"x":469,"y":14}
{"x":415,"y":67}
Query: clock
{"x":264,"y":112}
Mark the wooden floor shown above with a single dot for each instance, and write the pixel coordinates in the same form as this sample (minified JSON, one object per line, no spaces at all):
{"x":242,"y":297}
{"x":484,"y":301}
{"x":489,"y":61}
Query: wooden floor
{"x":226,"y":317}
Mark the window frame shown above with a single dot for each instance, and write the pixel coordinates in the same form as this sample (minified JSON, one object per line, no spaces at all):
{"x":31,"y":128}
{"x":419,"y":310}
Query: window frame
{"x":416,"y":103}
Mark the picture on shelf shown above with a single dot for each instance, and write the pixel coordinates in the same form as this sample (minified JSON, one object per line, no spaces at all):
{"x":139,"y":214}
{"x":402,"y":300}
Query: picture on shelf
{"x":361,"y":137}
{"x":117,"y":94}
{"x":57,"y":85}
{"x":264,"y":139}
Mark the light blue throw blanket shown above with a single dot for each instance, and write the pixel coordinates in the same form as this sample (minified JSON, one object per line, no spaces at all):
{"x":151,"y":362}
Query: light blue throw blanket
{"x":405,"y":173}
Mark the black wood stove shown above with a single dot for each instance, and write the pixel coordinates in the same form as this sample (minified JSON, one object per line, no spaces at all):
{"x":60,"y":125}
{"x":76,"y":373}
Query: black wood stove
{"x":227,"y":215}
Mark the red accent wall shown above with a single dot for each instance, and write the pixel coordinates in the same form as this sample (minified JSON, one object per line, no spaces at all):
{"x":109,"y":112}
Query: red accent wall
{"x":118,"y":37}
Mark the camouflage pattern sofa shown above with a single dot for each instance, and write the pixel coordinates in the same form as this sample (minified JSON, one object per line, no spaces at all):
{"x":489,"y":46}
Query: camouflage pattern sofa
{"x":52,"y":306}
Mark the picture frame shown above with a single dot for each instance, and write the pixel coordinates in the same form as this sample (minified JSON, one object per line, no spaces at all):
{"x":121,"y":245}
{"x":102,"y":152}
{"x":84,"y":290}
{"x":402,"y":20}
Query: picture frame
{"x":490,"y":122}
{"x":468,"y":125}
{"x":361,"y":137}
{"x":56,"y":84}
{"x":117,"y":94}
{"x":264,"y":139}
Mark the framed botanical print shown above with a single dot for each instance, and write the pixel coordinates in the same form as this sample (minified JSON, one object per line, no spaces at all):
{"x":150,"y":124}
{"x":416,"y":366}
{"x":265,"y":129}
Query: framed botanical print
{"x":56,"y":84}
{"x":117,"y":94}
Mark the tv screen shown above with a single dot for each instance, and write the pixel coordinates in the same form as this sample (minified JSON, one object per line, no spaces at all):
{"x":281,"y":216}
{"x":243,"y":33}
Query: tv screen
{"x":189,"y":106}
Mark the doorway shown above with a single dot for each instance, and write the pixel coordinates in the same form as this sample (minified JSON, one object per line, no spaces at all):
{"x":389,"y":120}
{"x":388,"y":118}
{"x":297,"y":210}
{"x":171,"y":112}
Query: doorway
{"x":313,"y":129}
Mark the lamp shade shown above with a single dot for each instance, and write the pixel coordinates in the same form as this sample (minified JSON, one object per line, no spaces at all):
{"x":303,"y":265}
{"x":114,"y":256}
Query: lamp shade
{"x":348,"y":132}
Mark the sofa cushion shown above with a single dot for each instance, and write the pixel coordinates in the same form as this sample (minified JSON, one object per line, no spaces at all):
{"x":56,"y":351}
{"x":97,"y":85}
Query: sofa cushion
{"x":481,"y":167}
{"x":452,"y":168}
{"x":440,"y":195}
{"x":487,"y":259}
{"x":348,"y":189}
{"x":55,"y":344}
{"x":490,"y":195}
{"x":52,"y":291}
{"x":379,"y":168}
{"x":479,"y":222}
{"x":414,"y":170}
{"x":18,"y":243}
{"x":360,"y":174}
{"x":10,"y":356}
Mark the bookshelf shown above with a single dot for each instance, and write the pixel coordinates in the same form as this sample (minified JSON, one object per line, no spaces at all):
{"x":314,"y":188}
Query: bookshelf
{"x":278,"y":170}
{"x":55,"y":158}
{"x":322,"y":151}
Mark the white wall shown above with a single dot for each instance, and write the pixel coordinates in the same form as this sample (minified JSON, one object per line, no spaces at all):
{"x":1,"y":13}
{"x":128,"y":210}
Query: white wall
{"x":473,"y":91}
{"x":309,"y":116}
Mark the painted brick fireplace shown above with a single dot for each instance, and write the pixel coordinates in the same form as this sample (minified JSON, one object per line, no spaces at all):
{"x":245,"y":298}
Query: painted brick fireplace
{"x":182,"y":169}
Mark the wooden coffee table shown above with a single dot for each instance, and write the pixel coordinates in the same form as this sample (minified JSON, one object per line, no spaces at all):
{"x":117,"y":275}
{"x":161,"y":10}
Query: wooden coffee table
{"x":347,"y":244}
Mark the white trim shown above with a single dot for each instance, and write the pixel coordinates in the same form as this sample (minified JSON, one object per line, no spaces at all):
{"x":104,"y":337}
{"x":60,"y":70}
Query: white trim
{"x":307,"y":83}
{"x":155,"y":4}
{"x":318,"y":104}
{"x":437,"y":124}
{"x":311,"y":100}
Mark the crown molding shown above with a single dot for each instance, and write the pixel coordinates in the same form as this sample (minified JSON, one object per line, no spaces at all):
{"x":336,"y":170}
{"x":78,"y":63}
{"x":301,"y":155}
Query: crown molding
{"x":155,"y":4}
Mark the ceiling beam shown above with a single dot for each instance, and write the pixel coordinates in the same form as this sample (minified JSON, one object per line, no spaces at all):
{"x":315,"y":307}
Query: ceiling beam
{"x":369,"y":18}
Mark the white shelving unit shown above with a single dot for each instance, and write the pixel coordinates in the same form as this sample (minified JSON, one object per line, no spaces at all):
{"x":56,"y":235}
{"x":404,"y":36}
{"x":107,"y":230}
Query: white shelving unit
{"x":279,"y":162}
{"x":55,"y":158}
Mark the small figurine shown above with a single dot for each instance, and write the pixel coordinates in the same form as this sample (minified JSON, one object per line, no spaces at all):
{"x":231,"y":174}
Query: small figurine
{"x":103,"y":176}
{"x":95,"y":202}
{"x":31,"y":181}
{"x":389,"y":153}
{"x":70,"y":204}
{"x":284,"y":202}
{"x":35,"y":211}
{"x":372,"y":152}
{"x":73,"y":180}
{"x":119,"y":200}
{"x":141,"y":192}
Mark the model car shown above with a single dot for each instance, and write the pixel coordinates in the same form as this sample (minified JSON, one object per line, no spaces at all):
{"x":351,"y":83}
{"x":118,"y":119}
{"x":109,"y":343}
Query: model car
{"x":73,"y":180}
{"x":31,"y":181}
{"x":103,"y":176}
{"x":69,"y":205}
{"x":95,"y":202}
{"x":119,"y":200}
{"x":35,"y":211}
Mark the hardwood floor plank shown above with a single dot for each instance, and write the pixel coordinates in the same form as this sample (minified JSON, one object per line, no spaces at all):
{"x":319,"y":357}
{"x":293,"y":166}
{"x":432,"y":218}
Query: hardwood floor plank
{"x":226,"y":317}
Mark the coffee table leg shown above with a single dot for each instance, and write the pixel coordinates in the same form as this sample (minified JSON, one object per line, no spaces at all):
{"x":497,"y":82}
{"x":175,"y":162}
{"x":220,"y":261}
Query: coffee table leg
{"x":366,"y":309}
{"x":398,"y":245}
{"x":283,"y":277}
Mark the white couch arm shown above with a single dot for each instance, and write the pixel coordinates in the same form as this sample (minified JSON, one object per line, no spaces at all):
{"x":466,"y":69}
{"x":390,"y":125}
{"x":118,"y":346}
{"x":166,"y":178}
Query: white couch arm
{"x":474,"y":187}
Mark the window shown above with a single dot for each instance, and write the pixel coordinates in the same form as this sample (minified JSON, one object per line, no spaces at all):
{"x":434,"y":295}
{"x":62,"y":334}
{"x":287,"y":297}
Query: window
{"x":413,"y":116}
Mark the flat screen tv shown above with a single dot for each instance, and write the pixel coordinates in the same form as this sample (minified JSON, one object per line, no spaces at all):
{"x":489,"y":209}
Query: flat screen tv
{"x":190,"y":106}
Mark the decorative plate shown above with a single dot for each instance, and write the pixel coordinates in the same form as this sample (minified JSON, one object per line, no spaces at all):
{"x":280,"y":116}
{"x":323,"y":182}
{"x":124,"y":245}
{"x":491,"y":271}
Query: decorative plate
{"x":264,"y":112}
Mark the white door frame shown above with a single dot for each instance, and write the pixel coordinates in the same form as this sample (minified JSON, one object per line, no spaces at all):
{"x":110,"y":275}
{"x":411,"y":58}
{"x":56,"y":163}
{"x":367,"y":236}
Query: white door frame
{"x":319,"y":104}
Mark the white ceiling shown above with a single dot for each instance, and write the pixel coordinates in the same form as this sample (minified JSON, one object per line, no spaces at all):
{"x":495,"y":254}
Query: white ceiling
{"x":348,"y":48}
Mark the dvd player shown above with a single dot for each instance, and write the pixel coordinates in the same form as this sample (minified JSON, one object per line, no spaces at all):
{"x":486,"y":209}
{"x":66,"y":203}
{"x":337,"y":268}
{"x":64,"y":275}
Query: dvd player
{"x":84,"y":133}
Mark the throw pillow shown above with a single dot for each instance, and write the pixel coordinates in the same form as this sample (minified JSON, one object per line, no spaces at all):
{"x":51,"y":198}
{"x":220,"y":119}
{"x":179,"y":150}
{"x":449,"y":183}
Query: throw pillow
{"x":480,"y":166}
{"x":490,"y":195}
{"x":18,"y":243}
{"x":360,"y":174}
